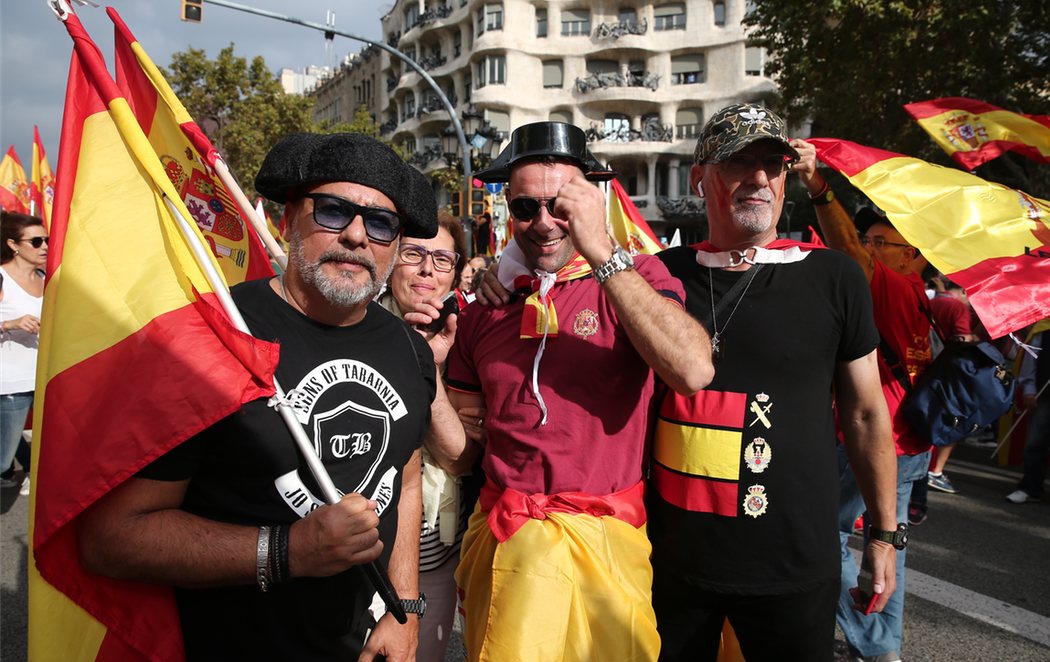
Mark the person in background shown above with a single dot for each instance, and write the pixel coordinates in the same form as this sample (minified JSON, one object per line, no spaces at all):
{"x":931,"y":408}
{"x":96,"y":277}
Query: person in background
{"x":425,"y":271}
{"x":483,"y":234}
{"x":891,"y":266}
{"x":1032,"y":380}
{"x":23,"y":256}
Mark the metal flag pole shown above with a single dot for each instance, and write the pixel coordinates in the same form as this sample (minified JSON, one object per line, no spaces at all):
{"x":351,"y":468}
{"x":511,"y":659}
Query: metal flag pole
{"x":375,"y":572}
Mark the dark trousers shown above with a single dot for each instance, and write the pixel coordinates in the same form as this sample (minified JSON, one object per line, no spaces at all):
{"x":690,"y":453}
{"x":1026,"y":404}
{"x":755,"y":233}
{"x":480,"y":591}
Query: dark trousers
{"x":796,"y":626}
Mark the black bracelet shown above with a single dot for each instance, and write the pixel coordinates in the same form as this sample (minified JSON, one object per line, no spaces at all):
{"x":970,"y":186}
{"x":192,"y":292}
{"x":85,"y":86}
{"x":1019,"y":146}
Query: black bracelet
{"x":281,"y":573}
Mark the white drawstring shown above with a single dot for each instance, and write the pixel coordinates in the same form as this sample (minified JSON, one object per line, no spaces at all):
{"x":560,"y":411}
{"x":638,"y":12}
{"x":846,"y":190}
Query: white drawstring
{"x":547,"y":281}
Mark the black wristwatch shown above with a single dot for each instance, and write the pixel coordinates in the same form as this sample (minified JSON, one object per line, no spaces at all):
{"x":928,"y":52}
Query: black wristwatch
{"x":897,"y":538}
{"x":418,"y":607}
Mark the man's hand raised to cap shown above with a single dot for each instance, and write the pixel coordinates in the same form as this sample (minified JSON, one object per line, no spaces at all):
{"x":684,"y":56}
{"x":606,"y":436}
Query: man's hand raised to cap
{"x":581,"y":207}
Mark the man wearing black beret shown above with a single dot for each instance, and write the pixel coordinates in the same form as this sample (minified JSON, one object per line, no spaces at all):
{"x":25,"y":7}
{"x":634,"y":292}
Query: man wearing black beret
{"x":263,"y":567}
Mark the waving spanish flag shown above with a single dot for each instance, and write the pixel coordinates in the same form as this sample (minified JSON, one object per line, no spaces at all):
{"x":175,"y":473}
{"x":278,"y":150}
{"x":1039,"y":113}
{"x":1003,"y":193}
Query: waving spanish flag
{"x":14,"y":189}
{"x":42,"y":184}
{"x":189,"y":160}
{"x":629,"y":227}
{"x":992,"y":240}
{"x":135,"y":357}
{"x":974,"y":132}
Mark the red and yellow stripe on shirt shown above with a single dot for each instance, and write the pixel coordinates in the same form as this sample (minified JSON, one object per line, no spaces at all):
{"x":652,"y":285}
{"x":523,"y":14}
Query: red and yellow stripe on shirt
{"x":696,"y":449}
{"x":974,"y":132}
{"x":135,"y":357}
{"x":992,"y":240}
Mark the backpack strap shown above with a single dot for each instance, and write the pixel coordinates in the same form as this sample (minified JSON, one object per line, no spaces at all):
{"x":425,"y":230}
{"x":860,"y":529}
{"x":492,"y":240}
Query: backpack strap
{"x":894,"y":363}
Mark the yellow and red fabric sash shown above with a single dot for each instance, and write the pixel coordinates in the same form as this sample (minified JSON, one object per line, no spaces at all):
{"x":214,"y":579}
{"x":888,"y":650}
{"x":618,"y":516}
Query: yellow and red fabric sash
{"x":540,"y":317}
{"x":571,"y":581}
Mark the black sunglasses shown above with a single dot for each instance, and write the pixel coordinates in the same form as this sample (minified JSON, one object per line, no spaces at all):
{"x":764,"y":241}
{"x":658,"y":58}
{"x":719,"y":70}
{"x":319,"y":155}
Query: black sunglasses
{"x":525,"y":208}
{"x":334,"y":213}
{"x":37,"y":242}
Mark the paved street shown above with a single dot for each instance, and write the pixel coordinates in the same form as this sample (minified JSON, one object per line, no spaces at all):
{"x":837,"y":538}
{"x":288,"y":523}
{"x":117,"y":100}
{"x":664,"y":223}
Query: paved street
{"x":978,"y":582}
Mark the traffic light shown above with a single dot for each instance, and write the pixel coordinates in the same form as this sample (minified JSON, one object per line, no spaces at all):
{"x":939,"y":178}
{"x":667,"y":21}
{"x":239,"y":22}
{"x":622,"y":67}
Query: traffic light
{"x":477,"y":201}
{"x":191,"y":10}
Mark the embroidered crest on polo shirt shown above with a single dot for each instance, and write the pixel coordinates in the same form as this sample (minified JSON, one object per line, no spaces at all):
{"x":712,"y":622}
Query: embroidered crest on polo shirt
{"x":761,"y":407}
{"x":586,"y":323}
{"x":756,"y":501}
{"x":757,"y":455}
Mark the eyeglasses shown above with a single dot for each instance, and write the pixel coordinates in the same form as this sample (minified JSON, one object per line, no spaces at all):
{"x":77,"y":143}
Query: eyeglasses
{"x":36,"y":242}
{"x":444,"y":261}
{"x":879,"y":242}
{"x":741,"y":165}
{"x":335,"y":213}
{"x":525,"y":208}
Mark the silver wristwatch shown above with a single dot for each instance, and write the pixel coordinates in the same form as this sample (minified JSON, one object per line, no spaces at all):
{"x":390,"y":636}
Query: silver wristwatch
{"x":621,"y":260}
{"x":418,"y":607}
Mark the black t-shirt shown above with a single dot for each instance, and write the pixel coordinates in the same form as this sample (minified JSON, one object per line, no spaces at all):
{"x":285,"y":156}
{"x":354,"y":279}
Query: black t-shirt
{"x":362,"y":394}
{"x":744,"y":477}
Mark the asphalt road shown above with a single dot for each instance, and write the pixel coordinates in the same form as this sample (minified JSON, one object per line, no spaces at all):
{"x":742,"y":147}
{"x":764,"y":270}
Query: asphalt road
{"x":978,"y":581}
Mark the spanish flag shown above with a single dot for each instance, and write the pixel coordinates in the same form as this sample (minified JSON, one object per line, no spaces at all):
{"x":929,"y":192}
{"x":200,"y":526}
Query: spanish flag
{"x":189,"y":160}
{"x":992,"y":240}
{"x":628,"y":226}
{"x":42,"y":186}
{"x":974,"y":132}
{"x":135,"y":357}
{"x":14,"y":189}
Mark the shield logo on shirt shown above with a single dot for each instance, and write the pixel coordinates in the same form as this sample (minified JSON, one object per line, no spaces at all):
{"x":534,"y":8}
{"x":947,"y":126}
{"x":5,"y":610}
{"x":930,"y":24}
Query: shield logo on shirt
{"x":355,"y":434}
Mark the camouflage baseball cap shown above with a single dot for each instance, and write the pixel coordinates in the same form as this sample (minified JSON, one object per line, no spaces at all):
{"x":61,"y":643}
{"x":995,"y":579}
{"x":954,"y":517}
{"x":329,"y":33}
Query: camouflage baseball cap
{"x":735,"y":127}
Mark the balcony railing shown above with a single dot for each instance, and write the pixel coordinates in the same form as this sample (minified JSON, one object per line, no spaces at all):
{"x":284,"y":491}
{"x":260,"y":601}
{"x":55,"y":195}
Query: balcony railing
{"x":434,"y":14}
{"x":651,"y":131}
{"x":594,"y":81}
{"x":689,"y":207}
{"x":619,"y":29}
{"x":428,"y":62}
{"x":423,"y":157}
{"x":387,"y":126}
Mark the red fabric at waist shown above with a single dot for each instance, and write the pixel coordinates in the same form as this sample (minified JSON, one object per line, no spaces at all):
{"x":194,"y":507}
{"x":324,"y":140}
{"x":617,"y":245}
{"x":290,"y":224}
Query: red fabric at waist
{"x":508,"y":509}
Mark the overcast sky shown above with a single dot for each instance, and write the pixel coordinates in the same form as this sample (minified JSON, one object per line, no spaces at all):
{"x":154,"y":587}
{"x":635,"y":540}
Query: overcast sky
{"x":35,"y":49}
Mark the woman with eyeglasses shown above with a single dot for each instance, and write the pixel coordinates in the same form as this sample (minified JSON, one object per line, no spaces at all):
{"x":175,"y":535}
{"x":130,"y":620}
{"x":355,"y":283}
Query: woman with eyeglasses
{"x":23,"y":255}
{"x":427,"y":270}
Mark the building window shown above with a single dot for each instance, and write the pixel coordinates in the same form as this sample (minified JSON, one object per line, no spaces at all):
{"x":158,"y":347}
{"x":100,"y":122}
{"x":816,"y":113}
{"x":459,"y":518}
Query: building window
{"x":597,"y":67}
{"x":720,"y":13}
{"x":560,"y":116}
{"x":575,"y":22}
{"x":669,"y":17}
{"x":457,"y":44}
{"x":553,"y":74}
{"x":491,"y":70}
{"x":688,"y":122}
{"x":541,"y":22}
{"x":411,"y":16}
{"x":467,"y":87}
{"x":409,"y":145}
{"x":617,"y":128}
{"x":494,"y":17}
{"x":687,"y":69}
{"x":753,"y":61}
{"x":628,"y":15}
{"x":410,"y":108}
{"x":499,"y":120}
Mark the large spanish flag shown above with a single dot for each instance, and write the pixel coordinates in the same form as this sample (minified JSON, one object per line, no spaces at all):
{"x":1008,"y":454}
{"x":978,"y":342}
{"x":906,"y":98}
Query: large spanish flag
{"x":992,"y":240}
{"x":135,"y":357}
{"x":189,"y":160}
{"x":629,"y":227}
{"x":42,"y":185}
{"x":14,"y":189}
{"x":974,"y":132}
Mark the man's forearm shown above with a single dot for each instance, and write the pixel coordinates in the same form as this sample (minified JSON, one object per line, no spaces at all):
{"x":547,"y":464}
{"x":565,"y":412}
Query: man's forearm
{"x":446,"y":439}
{"x":674,"y":344}
{"x":404,"y":556}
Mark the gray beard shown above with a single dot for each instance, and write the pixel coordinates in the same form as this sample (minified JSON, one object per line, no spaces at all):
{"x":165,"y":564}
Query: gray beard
{"x":339,"y":291}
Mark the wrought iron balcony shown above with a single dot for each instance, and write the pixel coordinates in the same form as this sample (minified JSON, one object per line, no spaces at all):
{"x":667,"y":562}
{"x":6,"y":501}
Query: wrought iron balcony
{"x":651,"y":131}
{"x":394,"y":39}
{"x":387,"y":126}
{"x":391,"y":83}
{"x":594,"y":81}
{"x":428,"y":62}
{"x":619,"y":29}
{"x":688,"y":207}
{"x":421,"y":158}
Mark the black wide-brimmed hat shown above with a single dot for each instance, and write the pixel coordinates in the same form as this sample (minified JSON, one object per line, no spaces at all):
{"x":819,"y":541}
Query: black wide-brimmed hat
{"x":300,"y":160}
{"x":541,"y":139}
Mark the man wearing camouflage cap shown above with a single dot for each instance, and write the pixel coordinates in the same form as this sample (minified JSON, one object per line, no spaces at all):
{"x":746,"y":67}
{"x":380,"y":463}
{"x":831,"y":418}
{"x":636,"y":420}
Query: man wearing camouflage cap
{"x":264,"y":568}
{"x":744,"y":475}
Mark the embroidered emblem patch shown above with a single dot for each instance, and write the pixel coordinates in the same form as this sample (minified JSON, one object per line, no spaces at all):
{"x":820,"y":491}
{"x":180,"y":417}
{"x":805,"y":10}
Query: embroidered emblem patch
{"x":760,"y":407}
{"x":586,"y":323}
{"x":756,"y":500}
{"x":757,"y":455}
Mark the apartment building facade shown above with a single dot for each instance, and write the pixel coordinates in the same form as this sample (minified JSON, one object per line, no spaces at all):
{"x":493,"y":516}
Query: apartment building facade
{"x":640,"y":78}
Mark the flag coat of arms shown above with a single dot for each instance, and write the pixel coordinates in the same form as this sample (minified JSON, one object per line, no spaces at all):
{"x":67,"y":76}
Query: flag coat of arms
{"x":629,"y":227}
{"x":189,"y":159}
{"x":974,"y":132}
{"x":42,"y":186}
{"x":14,"y":189}
{"x":135,"y":357}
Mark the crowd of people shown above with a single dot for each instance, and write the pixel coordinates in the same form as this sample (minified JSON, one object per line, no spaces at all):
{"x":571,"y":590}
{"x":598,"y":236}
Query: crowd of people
{"x":595,"y":455}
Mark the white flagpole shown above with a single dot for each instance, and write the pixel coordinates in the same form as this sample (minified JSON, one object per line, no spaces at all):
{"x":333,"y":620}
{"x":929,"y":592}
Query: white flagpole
{"x":249,"y":212}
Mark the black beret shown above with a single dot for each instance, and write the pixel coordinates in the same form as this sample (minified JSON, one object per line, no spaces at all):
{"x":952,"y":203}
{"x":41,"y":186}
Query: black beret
{"x":302,"y":159}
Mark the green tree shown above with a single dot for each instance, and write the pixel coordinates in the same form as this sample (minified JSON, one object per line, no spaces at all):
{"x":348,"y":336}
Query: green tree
{"x":240,"y":105}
